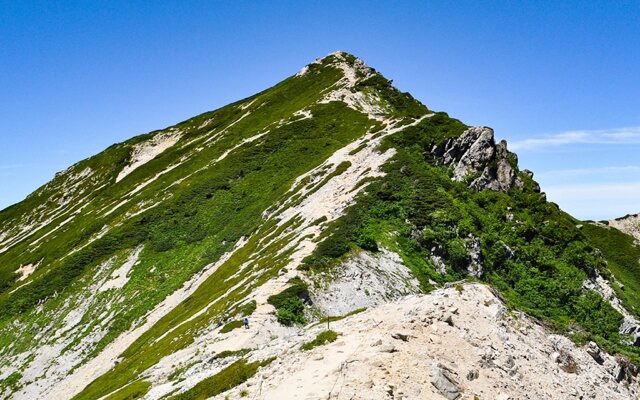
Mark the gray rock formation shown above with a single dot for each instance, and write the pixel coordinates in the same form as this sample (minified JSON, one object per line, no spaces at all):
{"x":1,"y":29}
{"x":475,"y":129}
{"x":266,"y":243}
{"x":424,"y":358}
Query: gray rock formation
{"x":443,"y":380}
{"x":475,"y":155}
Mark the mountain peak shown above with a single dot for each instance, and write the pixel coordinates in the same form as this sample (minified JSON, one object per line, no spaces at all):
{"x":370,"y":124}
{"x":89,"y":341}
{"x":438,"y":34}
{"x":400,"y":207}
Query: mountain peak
{"x":353,"y":68}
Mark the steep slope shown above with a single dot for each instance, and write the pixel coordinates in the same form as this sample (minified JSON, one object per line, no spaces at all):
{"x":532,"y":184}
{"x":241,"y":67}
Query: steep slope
{"x":629,"y":224}
{"x":128,"y":275}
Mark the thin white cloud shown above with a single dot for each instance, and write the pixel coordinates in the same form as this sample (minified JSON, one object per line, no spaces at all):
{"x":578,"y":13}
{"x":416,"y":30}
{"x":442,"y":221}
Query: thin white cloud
{"x":10,"y":166}
{"x":596,"y":200}
{"x":617,"y":136}
{"x":589,"y":171}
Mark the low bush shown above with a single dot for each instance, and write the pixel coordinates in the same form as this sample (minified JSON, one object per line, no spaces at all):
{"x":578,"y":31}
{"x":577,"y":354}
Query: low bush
{"x":289,"y":303}
{"x":228,"y":378}
{"x":322,"y":339}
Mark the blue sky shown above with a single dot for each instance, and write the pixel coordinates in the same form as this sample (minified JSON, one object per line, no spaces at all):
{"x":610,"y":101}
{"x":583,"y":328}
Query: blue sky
{"x":558,"y":80}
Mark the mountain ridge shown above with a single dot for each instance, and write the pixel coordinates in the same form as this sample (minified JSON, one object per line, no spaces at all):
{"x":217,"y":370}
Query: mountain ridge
{"x":128,"y":273}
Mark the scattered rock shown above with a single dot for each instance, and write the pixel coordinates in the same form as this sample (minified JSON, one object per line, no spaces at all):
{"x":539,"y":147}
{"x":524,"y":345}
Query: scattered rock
{"x":443,"y":380}
{"x":627,"y":371}
{"x":389,"y":348}
{"x":567,"y":362}
{"x":448,"y":318}
{"x":473,"y":374}
{"x":401,"y":336}
{"x":594,"y":351}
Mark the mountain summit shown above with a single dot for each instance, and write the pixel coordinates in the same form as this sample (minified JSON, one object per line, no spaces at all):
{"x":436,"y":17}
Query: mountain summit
{"x":329,"y":237}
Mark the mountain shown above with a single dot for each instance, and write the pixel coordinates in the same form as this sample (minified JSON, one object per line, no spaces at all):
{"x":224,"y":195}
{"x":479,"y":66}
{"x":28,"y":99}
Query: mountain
{"x":377,"y":249}
{"x":629,"y":224}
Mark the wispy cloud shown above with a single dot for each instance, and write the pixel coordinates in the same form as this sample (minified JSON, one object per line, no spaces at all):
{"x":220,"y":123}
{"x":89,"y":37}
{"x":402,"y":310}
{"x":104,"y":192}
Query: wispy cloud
{"x":590,"y":171}
{"x":596,"y":200}
{"x":10,"y":166}
{"x":618,"y":136}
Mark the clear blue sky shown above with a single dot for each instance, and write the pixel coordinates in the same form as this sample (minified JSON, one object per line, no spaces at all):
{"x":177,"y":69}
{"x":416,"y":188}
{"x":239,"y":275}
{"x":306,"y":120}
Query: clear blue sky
{"x":559,"y":80}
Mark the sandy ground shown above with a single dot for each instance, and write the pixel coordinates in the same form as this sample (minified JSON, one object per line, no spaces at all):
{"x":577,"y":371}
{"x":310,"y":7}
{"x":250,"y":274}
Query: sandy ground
{"x":403,"y":349}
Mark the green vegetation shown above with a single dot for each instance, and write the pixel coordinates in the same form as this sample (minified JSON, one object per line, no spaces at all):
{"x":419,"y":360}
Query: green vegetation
{"x":186,"y":216}
{"x":333,"y":318}
{"x":190,"y":205}
{"x":228,"y":378}
{"x":623,"y":258}
{"x":322,"y":339}
{"x":231,"y":326}
{"x":289,"y":303}
{"x":243,"y":311}
{"x":531,"y":251}
{"x":135,"y":390}
{"x":399,"y":102}
{"x":231,"y":353}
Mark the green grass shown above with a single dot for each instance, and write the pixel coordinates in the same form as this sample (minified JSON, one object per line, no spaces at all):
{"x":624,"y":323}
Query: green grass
{"x":205,"y":215}
{"x":623,"y":258}
{"x":135,"y":390}
{"x":228,"y":378}
{"x":231,"y":353}
{"x":333,"y":318}
{"x":231,"y":326}
{"x":289,"y":303}
{"x":320,"y":340}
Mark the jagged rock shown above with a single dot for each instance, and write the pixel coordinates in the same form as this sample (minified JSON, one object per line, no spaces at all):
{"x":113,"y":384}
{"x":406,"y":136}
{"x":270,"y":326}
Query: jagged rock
{"x":476,"y":153}
{"x":566,"y":362}
{"x":536,"y":186}
{"x":627,"y":371}
{"x":594,"y":351}
{"x":439,"y":264}
{"x":448,"y":318}
{"x":510,"y":363}
{"x":443,"y":380}
{"x":401,"y":336}
{"x":475,"y":255}
{"x":473,"y":374}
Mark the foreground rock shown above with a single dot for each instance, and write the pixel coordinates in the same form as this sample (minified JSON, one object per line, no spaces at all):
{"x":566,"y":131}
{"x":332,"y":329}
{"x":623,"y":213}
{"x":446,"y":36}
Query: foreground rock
{"x":459,"y":344}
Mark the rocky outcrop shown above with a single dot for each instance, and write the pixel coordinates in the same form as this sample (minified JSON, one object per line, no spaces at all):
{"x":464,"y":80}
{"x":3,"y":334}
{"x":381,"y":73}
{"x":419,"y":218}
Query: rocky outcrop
{"x":363,"y":280}
{"x":630,"y":325}
{"x":475,"y":155}
{"x":629,"y":224}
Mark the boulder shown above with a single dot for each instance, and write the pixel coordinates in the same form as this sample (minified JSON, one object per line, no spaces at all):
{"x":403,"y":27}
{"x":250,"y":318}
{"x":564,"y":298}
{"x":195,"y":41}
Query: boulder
{"x":442,"y":378}
{"x":594,"y":351}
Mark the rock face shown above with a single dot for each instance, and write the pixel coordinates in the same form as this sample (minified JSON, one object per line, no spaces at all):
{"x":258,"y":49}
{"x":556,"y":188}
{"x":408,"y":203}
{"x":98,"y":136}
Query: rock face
{"x":629,"y":224}
{"x":364,"y":280}
{"x":475,"y":154}
{"x":630,"y":325}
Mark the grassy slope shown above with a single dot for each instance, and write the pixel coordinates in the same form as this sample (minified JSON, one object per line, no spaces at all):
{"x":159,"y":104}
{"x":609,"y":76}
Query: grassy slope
{"x":203,"y":217}
{"x":334,"y":125}
{"x":623,"y":258}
